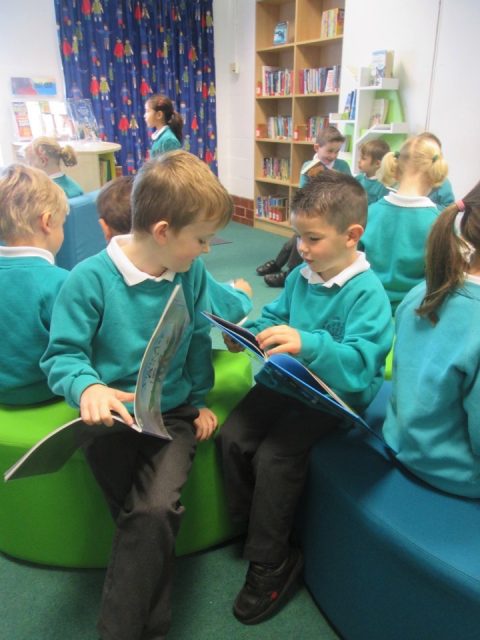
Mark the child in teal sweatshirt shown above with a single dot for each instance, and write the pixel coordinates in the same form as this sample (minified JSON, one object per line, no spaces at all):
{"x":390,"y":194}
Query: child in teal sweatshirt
{"x":231,"y":301}
{"x":335,"y":318}
{"x":101,"y":324}
{"x":47,"y":154}
{"x":327,"y":146}
{"x":167,"y":123}
{"x":398,"y":224}
{"x":32,"y":213}
{"x":371,"y":156}
{"x":433,"y":418}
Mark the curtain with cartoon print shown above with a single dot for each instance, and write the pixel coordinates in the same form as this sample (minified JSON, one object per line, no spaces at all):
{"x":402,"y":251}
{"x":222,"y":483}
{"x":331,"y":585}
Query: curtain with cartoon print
{"x":118,"y":52}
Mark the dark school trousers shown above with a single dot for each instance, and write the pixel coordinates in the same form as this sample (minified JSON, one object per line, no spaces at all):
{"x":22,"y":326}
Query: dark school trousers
{"x":265,"y":445}
{"x":141,"y":477}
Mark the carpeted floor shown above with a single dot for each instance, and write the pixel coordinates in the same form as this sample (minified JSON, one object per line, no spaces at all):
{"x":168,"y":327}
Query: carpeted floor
{"x":41,"y":603}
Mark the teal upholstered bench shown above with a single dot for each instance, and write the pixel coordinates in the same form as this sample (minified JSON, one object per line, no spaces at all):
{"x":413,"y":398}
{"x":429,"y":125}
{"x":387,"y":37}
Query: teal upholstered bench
{"x":62,"y":518}
{"x":387,"y":557}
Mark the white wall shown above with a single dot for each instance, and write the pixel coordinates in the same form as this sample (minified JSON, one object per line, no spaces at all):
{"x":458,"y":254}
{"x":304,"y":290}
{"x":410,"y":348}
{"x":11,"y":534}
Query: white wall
{"x":436,"y":47}
{"x":28,"y":47}
{"x":235,"y":42}
{"x":439,"y":93}
{"x":455,"y":102}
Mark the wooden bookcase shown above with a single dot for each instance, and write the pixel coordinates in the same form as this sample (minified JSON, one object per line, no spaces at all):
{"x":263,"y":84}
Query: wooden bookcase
{"x":305,"y":48}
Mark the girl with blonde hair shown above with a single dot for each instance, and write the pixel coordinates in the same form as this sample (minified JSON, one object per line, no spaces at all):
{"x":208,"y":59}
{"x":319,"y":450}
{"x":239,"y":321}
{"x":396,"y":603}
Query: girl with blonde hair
{"x":398,"y":225}
{"x":46,"y":154}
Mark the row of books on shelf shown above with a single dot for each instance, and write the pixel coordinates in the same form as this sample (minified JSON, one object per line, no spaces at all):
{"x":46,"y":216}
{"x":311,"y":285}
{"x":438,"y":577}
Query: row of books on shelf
{"x":280,"y":128}
{"x":272,"y":207}
{"x":276,"y":168}
{"x":275,"y":82}
{"x":332,"y":23}
{"x":320,"y":80}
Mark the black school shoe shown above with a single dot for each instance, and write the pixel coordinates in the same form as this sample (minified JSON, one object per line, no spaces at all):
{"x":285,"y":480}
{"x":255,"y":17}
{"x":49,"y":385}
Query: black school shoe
{"x":266,"y":589}
{"x":268,"y":267}
{"x":276,"y":279}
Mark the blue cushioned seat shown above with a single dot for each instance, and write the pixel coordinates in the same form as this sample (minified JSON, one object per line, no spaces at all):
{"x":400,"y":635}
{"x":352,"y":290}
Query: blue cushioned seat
{"x":83,"y":234}
{"x":387,"y":557}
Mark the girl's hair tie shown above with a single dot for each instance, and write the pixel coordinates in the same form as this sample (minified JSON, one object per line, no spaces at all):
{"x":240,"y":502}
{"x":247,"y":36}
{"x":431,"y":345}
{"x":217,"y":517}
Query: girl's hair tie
{"x":460,"y":205}
{"x":435,"y":158}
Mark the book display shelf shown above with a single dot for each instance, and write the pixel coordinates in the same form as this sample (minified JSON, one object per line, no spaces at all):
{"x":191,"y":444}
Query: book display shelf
{"x":297,"y":85}
{"x":363,"y":126}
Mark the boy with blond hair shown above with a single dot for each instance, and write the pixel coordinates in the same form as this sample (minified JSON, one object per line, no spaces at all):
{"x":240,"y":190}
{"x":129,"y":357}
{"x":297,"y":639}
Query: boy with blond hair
{"x":231,"y":301}
{"x":334,"y":316}
{"x":371,"y":155}
{"x":101,"y":325}
{"x":32,"y":213}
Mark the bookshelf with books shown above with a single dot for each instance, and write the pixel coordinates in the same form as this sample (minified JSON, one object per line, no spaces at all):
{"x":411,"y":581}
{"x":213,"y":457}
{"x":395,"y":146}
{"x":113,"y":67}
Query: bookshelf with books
{"x":297,"y":85}
{"x":372,"y":111}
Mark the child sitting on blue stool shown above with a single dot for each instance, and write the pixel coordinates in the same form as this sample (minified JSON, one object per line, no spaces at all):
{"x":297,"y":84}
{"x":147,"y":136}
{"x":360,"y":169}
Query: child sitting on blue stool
{"x":334,"y":316}
{"x":32,"y":214}
{"x":433,"y":418}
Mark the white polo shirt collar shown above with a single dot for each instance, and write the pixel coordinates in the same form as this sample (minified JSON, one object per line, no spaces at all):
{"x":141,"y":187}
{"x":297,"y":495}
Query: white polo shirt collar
{"x":361,"y":264}
{"x":27,"y":252}
{"x":158,"y":132}
{"x":409,"y":201}
{"x":129,"y":271}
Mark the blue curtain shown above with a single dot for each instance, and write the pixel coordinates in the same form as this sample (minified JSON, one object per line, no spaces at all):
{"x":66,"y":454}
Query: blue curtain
{"x":118,"y":52}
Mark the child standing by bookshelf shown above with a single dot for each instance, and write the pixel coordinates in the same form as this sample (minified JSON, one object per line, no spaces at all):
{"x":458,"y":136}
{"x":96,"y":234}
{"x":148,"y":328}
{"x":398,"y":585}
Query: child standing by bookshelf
{"x":371,"y":155}
{"x":166,"y":122}
{"x":433,"y":416}
{"x":327,"y":146}
{"x":398,"y":224}
{"x":334,"y":316}
{"x":46,"y":154}
{"x":101,"y":325}
{"x":32,"y":213}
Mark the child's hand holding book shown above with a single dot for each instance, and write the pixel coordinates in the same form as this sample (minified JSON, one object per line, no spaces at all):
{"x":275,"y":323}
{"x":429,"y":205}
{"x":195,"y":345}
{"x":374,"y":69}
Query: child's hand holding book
{"x":98,"y":401}
{"x":280,"y":339}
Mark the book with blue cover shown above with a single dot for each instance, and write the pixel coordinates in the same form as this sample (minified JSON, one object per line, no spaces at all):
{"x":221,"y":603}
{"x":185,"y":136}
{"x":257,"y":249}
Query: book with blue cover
{"x":306,"y":385}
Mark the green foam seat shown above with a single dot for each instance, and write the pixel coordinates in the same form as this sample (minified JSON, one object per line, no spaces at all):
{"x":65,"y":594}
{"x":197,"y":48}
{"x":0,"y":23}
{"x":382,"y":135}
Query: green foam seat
{"x":62,"y":519}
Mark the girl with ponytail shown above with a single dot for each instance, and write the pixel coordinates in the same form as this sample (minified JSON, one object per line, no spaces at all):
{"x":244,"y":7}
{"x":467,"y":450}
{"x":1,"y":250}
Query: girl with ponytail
{"x":433,"y":419}
{"x":168,"y":124}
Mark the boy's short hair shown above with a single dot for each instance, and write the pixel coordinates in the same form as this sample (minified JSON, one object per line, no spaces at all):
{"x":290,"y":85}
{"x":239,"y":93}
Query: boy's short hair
{"x":25,"y":194}
{"x":337,"y":197}
{"x":329,"y":134}
{"x":179,"y":188}
{"x":374,"y":149}
{"x":114,"y":204}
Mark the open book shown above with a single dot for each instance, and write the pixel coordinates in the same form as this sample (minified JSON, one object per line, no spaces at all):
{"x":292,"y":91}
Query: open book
{"x":291,"y":373}
{"x":53,"y":451}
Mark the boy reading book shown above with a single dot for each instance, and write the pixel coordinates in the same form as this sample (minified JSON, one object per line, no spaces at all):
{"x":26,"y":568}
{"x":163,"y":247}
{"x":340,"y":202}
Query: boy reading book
{"x":334,"y":317}
{"x":232,"y":301}
{"x":101,"y":325}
